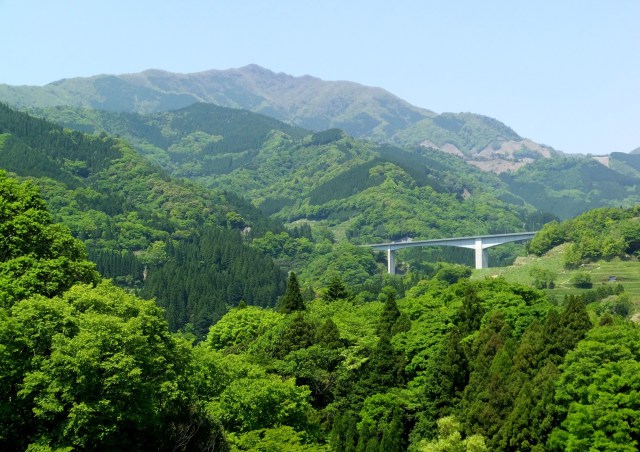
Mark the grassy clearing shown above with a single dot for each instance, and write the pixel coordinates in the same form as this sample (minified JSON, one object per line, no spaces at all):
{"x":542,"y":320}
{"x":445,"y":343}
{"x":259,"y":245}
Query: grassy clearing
{"x":626,"y":272}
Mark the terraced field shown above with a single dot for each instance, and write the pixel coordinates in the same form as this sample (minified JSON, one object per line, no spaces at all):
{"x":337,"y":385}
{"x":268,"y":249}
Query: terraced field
{"x":625,"y":272}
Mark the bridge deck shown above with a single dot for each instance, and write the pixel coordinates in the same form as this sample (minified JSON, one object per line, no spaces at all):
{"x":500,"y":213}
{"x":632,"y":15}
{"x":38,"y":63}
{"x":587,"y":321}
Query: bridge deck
{"x":470,"y":242}
{"x":479,"y":243}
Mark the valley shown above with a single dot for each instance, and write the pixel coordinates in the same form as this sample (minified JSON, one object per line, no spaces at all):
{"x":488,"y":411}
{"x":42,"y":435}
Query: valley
{"x":181,"y":269}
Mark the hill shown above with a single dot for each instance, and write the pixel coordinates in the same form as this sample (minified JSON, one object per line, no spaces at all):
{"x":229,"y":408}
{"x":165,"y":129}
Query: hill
{"x":361,"y":190}
{"x":92,"y":366}
{"x":308,"y":102}
{"x":330,"y":179}
{"x":569,"y":185}
{"x":133,"y":217}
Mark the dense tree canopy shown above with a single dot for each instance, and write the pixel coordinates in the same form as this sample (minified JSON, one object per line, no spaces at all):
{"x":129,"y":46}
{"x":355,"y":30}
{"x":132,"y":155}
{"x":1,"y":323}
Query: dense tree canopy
{"x":36,"y":255}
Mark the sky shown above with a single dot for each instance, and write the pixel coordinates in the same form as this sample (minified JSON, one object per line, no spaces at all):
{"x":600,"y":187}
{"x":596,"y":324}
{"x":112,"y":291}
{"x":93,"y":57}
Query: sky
{"x":565,"y":73}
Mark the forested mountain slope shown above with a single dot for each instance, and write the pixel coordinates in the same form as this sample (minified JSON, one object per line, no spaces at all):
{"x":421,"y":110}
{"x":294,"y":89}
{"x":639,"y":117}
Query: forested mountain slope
{"x":237,"y":150}
{"x":366,"y":191}
{"x":132,"y":214}
{"x":570,"y":185}
{"x":455,"y":364}
{"x":306,"y":101}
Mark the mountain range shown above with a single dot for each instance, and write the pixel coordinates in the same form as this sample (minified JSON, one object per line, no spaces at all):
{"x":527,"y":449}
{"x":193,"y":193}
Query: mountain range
{"x":275,"y":139}
{"x":308,"y":102}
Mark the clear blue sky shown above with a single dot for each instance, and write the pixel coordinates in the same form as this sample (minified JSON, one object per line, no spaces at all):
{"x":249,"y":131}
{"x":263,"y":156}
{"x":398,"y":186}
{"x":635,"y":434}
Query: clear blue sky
{"x":564,"y":73}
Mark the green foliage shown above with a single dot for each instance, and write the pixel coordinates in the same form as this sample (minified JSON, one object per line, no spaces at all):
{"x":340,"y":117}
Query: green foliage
{"x":239,"y":327}
{"x":292,"y":299}
{"x":389,"y":315}
{"x":207,"y":273}
{"x":279,"y":439}
{"x":582,"y":280}
{"x":567,"y":186}
{"x":102,"y":372}
{"x":143,"y":228}
{"x":452,"y":273}
{"x":36,"y":255}
{"x":543,"y":278}
{"x":329,"y":335}
{"x":299,"y":334}
{"x":335,"y":290}
{"x":327,"y":177}
{"x":450,"y":439}
{"x":248,"y":404}
{"x":597,"y":392}
{"x":602,"y":233}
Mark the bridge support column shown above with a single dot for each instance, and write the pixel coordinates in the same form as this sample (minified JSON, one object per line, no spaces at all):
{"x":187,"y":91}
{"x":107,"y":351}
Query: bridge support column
{"x":391,"y":262}
{"x":482,"y":256}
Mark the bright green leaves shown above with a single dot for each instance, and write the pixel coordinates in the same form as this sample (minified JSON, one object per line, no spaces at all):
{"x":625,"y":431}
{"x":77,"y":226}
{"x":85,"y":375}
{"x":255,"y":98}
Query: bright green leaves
{"x":36,"y":256}
{"x":599,"y":392}
{"x":253,"y":403}
{"x":240,"y":326}
{"x":100,"y":370}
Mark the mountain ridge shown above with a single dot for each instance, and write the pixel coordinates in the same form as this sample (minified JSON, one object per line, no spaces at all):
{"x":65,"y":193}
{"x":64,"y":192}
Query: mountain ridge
{"x":305,"y":101}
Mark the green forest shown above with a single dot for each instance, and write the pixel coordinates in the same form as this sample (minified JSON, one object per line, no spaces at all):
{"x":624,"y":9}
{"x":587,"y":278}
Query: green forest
{"x":143,"y":307}
{"x":450,"y":365}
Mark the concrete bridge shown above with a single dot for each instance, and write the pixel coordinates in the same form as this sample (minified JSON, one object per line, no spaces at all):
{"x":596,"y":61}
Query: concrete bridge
{"x":479,"y":243}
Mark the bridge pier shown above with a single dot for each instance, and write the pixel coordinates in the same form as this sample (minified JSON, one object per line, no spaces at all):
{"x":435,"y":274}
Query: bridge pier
{"x":482,"y":255}
{"x":391,"y":262}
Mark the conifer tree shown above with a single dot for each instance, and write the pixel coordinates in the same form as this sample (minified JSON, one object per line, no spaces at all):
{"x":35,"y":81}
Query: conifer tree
{"x":292,"y":299}
{"x":575,"y":323}
{"x":336,"y":290}
{"x":470,"y":313}
{"x":328,"y":335}
{"x":392,"y":435}
{"x":351,"y":437}
{"x":300,"y":334}
{"x":402,"y":325}
{"x":389,"y":315}
{"x":366,"y":434}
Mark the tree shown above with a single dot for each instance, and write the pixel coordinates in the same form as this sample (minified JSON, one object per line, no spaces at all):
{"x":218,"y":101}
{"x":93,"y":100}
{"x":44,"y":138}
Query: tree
{"x":401,"y":325}
{"x":248,"y":404}
{"x":574,"y":323}
{"x":36,"y":255}
{"x":471,"y":312}
{"x":292,"y":299}
{"x":597,"y":392}
{"x":336,"y":290}
{"x":299,"y":334}
{"x":543,"y":278}
{"x":392,"y":434}
{"x":452,"y":273}
{"x":582,"y":280}
{"x":103,"y":372}
{"x":450,"y":439}
{"x":446,"y":382}
{"x":389,"y":315}
{"x":328,"y":335}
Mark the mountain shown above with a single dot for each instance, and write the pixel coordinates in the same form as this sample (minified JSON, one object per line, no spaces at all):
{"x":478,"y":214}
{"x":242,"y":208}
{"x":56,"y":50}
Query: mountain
{"x":308,"y":102}
{"x":359,"y":189}
{"x":135,"y":219}
{"x":283,"y":169}
{"x":570,"y":185}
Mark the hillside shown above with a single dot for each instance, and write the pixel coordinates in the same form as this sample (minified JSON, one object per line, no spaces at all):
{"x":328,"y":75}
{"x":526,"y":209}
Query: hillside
{"x":361,"y":190}
{"x":132,"y":216}
{"x":308,"y":102}
{"x":92,"y":366}
{"x":567,"y":186}
{"x":330,"y":179}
